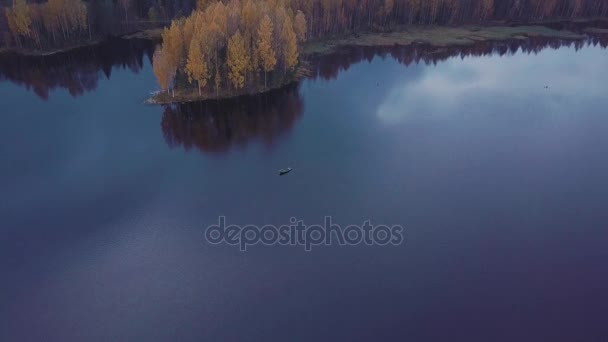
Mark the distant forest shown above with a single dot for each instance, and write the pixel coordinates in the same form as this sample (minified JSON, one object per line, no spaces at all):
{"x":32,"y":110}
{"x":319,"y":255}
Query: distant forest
{"x":59,"y":23}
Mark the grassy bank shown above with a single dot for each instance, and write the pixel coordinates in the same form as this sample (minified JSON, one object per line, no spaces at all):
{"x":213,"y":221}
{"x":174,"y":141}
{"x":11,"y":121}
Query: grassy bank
{"x":437,"y":36}
{"x":152,"y":34}
{"x":48,"y":52}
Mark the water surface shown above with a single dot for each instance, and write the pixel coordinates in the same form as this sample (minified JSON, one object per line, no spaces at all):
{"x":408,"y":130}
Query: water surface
{"x":500,"y":182}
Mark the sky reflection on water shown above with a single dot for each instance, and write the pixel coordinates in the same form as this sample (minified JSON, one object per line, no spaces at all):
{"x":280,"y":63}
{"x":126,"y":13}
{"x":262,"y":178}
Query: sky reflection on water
{"x":500,"y":183}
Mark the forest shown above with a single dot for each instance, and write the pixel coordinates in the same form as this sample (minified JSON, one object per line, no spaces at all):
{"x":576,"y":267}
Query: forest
{"x":48,"y":24}
{"x":52,"y":24}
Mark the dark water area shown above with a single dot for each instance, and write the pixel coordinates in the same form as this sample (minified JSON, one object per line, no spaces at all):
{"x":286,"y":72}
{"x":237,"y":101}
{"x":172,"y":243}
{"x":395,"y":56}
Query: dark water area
{"x":77,"y":70}
{"x":493,"y":158}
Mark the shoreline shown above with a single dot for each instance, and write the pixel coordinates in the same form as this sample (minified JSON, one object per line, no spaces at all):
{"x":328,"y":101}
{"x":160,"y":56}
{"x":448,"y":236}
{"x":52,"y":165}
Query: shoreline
{"x":150,"y":34}
{"x":438,"y":36}
{"x":155,"y":34}
{"x":434,"y":36}
{"x":406,"y":35}
{"x":191,"y":94}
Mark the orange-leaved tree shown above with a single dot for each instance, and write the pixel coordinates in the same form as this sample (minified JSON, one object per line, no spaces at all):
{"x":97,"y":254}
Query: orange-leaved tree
{"x":196,"y":66}
{"x":238,"y":60}
{"x":289,"y":44}
{"x":163,"y":71}
{"x":265,"y":49}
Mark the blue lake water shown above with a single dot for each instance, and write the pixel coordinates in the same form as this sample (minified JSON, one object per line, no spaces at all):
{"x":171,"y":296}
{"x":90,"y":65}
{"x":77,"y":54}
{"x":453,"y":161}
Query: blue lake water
{"x":501,"y":185}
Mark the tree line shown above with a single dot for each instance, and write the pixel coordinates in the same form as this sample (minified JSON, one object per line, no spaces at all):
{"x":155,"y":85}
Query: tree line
{"x":40,"y":24}
{"x":55,"y":23}
{"x":64,"y":20}
{"x":329,"y":17}
{"x":233,"y":46}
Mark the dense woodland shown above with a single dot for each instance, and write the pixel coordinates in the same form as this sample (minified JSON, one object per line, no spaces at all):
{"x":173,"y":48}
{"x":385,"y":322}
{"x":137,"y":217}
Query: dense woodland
{"x":232,"y":46}
{"x":43,"y":25}
{"x":39,"y":24}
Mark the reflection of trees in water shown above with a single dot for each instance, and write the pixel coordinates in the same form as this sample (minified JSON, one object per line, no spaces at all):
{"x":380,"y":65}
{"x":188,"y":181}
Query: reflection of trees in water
{"x":217,"y":126}
{"x":328,"y":67}
{"x":75,"y":70}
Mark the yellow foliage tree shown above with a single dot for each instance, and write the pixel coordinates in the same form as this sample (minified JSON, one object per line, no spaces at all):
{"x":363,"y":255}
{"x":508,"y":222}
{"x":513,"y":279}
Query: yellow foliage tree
{"x":238,"y":60}
{"x":173,"y":45}
{"x":163,"y":71}
{"x":196,"y":66}
{"x":299,"y":26}
{"x":265,"y":50}
{"x":289,"y":44}
{"x":19,"y":19}
{"x":202,"y":4}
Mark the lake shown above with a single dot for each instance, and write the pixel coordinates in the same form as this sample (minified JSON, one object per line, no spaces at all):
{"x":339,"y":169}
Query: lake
{"x":492,"y":157}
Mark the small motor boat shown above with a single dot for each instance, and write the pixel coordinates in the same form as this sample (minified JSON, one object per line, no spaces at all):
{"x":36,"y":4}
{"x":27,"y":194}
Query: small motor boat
{"x":284,"y":171}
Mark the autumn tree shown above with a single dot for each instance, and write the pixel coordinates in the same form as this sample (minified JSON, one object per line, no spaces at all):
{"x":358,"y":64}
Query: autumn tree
{"x":163,"y":71}
{"x":19,"y":19}
{"x":265,"y":49}
{"x":189,"y":28}
{"x":249,"y":23}
{"x":196,"y":66}
{"x":237,"y":60}
{"x":289,"y":45}
{"x":173,"y":45}
{"x":202,"y":4}
{"x":299,"y":26}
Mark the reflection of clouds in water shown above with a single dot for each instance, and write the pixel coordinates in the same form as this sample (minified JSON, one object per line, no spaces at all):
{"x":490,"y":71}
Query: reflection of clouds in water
{"x":476,"y":83}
